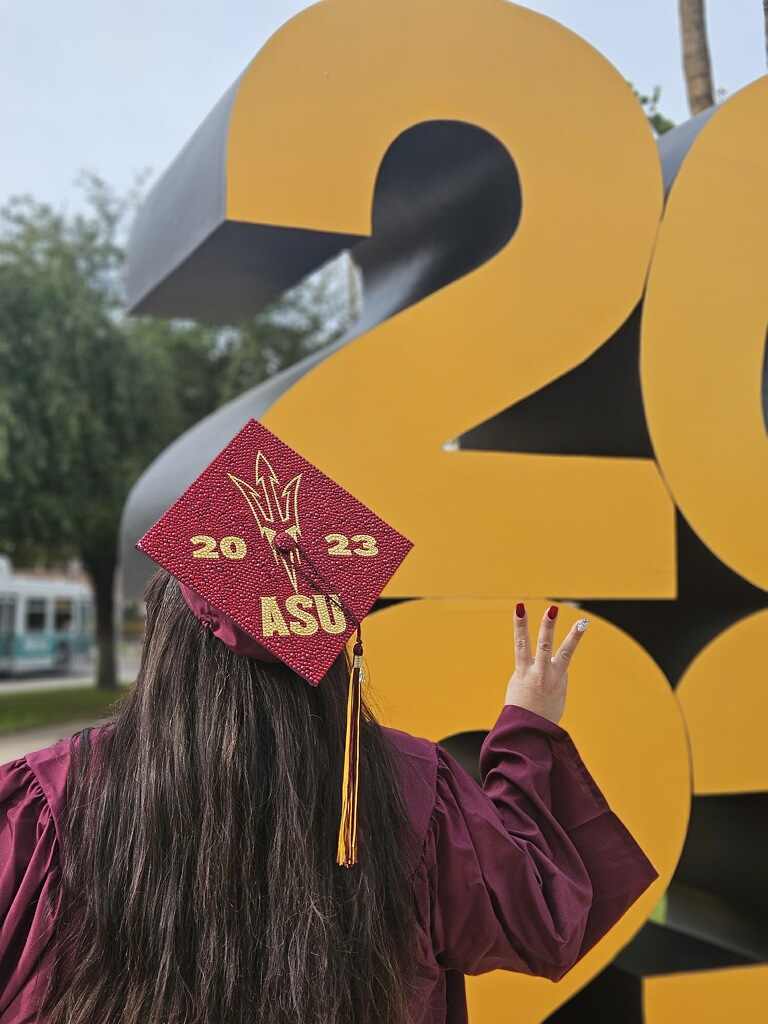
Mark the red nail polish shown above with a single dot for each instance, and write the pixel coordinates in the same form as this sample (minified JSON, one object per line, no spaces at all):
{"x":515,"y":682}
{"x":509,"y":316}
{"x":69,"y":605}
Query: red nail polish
{"x":552,"y":611}
{"x":520,"y":610}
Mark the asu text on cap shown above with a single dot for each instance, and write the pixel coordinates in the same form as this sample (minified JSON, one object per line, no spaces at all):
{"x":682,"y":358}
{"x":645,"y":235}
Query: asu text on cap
{"x":268,"y":539}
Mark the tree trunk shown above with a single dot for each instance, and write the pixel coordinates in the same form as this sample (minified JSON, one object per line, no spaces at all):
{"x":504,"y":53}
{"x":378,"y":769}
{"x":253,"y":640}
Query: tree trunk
{"x":765,"y":18}
{"x":102,"y":574}
{"x":696,"y":63}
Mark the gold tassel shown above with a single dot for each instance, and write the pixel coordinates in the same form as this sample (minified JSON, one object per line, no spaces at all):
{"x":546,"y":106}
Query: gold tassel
{"x":346,"y":852}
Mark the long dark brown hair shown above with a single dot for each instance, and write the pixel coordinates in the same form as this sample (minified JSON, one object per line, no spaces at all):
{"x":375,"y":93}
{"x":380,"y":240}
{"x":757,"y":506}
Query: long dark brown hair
{"x":199,"y":882}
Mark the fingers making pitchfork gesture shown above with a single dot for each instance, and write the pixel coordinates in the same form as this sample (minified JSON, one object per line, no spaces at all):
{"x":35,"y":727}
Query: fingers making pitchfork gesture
{"x":540,"y":679}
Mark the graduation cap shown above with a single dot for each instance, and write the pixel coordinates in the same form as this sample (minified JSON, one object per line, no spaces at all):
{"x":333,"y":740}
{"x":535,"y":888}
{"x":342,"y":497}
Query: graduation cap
{"x":281,"y":564}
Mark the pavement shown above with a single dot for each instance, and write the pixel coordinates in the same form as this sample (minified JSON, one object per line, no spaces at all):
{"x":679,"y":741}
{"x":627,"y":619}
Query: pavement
{"x":80,"y":675}
{"x":25,"y":684}
{"x":24,"y":742}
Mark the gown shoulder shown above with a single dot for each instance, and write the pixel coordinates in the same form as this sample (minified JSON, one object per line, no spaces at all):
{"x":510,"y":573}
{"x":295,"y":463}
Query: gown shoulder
{"x":31,"y":798}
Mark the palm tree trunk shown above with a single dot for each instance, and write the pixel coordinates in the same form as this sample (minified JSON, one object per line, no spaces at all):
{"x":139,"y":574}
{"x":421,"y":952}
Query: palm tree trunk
{"x":696,"y":63}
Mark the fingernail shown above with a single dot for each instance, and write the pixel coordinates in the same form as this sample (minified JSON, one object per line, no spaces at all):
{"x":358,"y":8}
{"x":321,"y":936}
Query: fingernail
{"x":582,"y":624}
{"x":552,"y":611}
{"x":520,"y":610}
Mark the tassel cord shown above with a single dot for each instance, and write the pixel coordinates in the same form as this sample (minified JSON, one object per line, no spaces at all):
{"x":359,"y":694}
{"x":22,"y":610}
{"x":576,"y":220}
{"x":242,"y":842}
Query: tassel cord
{"x":346,"y":851}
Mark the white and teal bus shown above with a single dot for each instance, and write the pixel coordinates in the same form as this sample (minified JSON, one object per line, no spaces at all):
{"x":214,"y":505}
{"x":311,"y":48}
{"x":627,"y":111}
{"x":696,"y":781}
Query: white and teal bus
{"x":44,"y":624}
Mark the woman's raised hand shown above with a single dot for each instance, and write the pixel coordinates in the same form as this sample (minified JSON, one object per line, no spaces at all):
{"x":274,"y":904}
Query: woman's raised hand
{"x":540,"y":680}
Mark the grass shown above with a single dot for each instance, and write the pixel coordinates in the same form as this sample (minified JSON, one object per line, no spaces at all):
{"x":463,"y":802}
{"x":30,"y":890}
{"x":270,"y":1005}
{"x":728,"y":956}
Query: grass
{"x":38,"y":708}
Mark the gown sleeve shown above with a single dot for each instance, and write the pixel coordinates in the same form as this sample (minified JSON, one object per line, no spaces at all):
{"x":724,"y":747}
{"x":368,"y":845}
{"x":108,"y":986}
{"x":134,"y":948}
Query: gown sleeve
{"x":28,"y":879}
{"x":528,"y":872}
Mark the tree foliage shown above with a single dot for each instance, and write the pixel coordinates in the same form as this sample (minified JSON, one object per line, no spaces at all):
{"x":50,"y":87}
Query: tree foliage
{"x":650,"y":105}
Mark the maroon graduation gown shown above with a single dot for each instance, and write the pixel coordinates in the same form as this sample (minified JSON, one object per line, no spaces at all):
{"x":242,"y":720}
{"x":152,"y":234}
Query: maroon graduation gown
{"x":525,"y":874}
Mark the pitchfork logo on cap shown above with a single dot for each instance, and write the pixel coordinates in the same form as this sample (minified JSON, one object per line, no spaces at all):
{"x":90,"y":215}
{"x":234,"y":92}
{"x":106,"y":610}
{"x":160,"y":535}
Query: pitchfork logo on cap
{"x":276,"y":512}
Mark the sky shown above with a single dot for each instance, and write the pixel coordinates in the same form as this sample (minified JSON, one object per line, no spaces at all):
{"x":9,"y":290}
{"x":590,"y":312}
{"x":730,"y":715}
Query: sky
{"x":117,"y":88}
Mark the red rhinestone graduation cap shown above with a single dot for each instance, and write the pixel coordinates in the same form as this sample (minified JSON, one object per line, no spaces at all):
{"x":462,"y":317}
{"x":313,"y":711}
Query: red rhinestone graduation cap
{"x":282,"y":564}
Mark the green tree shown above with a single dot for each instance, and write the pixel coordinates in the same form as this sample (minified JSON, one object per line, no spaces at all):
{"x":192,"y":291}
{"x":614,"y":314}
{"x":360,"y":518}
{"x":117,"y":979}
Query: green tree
{"x":88,"y":397}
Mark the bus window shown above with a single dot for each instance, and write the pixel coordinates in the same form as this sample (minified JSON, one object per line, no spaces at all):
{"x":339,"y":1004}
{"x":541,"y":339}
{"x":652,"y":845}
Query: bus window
{"x":63,"y":615}
{"x":35,"y":618}
{"x":7,"y":616}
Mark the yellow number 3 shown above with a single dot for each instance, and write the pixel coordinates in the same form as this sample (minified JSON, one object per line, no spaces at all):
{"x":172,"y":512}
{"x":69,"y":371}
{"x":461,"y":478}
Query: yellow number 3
{"x":367,"y":544}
